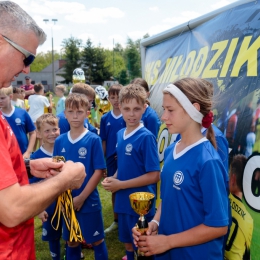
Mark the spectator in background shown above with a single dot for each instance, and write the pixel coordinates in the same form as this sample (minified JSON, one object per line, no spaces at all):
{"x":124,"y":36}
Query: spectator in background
{"x":28,"y":87}
{"x":20,"y":122}
{"x":22,"y":96}
{"x":37,"y":102}
{"x":60,"y":91}
{"x":16,"y":101}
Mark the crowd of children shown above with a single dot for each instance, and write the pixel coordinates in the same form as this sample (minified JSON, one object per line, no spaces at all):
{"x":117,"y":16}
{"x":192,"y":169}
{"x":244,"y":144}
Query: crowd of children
{"x":194,"y":179}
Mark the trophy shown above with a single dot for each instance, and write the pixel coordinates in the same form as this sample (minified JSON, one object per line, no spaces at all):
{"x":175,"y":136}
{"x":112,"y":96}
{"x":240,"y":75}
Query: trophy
{"x":141,"y":203}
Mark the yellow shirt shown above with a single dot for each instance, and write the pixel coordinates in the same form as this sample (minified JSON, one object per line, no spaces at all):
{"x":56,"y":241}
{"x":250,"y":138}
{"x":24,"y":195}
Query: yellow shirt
{"x":240,"y":235}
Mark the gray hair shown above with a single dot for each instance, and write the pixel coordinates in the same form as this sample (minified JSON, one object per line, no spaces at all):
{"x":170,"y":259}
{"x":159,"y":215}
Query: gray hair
{"x":14,"y":19}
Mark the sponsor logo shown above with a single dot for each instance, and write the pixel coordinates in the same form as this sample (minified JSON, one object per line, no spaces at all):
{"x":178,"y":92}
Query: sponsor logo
{"x":44,"y":232}
{"x":108,"y":123}
{"x":53,"y":254}
{"x":63,"y":150}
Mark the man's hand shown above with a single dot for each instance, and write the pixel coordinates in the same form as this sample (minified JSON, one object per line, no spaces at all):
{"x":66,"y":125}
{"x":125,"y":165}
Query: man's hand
{"x":45,"y":167}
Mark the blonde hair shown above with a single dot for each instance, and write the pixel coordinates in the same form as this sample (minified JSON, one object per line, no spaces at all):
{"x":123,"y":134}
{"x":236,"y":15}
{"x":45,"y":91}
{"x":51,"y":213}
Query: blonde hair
{"x":76,"y":100}
{"x":199,"y":91}
{"x":46,"y":119}
{"x":62,"y":88}
{"x":132,"y":91}
{"x":85,"y":89}
{"x":6,"y":91}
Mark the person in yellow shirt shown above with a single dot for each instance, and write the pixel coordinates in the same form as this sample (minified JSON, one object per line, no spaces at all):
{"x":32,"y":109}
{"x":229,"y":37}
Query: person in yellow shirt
{"x":240,"y":235}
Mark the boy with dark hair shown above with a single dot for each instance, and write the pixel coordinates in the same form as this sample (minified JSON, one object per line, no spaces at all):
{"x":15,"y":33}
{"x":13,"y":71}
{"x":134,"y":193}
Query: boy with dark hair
{"x":138,"y":163}
{"x":110,"y":124}
{"x":48,"y":130}
{"x":240,"y":235}
{"x":88,"y":91}
{"x":81,"y":145}
{"x":20,"y":122}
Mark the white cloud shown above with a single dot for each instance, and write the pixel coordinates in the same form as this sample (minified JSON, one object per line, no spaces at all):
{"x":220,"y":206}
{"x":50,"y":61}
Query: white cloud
{"x":221,"y":4}
{"x":134,"y":35}
{"x":184,"y":17}
{"x":117,"y":38}
{"x":85,"y":36}
{"x":95,"y":15}
{"x":153,"y":8}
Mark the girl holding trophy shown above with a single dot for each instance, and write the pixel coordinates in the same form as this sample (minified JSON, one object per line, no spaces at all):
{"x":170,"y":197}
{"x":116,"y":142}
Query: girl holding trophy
{"x":192,"y":219}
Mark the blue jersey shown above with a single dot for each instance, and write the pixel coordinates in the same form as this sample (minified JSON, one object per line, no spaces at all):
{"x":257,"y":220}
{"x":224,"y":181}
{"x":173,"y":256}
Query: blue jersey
{"x":21,"y":124}
{"x":193,"y":193}
{"x":137,"y":155}
{"x":65,"y":127}
{"x":151,"y":121}
{"x":86,"y":149}
{"x":60,"y":105}
{"x":109,"y":126}
{"x":42,"y":153}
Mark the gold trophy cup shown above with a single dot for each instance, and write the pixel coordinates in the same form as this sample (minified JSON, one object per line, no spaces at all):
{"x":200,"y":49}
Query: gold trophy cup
{"x":141,"y":203}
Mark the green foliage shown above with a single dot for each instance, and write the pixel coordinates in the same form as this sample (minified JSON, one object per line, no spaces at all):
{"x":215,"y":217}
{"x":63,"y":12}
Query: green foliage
{"x":43,"y":60}
{"x":123,"y":78}
{"x":72,"y":55}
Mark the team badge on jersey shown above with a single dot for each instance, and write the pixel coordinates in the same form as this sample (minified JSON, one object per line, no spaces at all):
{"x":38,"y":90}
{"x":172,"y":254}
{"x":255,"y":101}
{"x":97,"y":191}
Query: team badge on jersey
{"x":18,"y":121}
{"x":178,"y":178}
{"x":82,"y":152}
{"x":128,"y":149}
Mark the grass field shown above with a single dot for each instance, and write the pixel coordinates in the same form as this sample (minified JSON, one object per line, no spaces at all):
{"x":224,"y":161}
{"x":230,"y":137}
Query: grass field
{"x":115,"y":248}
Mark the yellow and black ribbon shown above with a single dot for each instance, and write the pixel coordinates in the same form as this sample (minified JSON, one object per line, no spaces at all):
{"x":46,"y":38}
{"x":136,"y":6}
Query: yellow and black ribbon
{"x":65,"y":206}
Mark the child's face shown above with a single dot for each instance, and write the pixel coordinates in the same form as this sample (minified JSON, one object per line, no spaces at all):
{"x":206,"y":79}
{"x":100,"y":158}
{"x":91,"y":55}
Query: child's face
{"x":113,"y":99}
{"x":5,"y":101}
{"x":49,"y":133}
{"x":76,"y":116}
{"x":58,"y":92}
{"x":132,"y":112}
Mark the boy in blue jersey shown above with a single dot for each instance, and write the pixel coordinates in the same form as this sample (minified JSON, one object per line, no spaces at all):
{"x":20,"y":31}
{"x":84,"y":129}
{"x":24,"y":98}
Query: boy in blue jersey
{"x":192,"y":219}
{"x":89,"y":92}
{"x":20,"y":122}
{"x":138,"y":163}
{"x":150,"y":118}
{"x":48,"y":130}
{"x":81,"y":145}
{"x":110,"y":124}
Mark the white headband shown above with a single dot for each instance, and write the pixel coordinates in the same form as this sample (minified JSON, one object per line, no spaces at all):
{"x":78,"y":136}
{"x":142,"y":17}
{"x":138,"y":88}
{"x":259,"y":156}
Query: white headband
{"x":185,"y":103}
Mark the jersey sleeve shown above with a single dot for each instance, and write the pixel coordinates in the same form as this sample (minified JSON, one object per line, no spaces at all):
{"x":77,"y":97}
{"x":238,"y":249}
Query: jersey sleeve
{"x":30,"y":127}
{"x":7,"y":173}
{"x":215,"y":198}
{"x":102,"y":132}
{"x":153,"y":124}
{"x":98,"y":159}
{"x":150,"y":154}
{"x":63,"y":104}
{"x":46,"y":102}
{"x":222,"y":147}
{"x":91,"y":128}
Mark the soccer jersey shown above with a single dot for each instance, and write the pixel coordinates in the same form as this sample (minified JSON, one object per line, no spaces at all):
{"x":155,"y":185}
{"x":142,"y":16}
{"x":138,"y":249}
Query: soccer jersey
{"x":193,"y":192}
{"x":151,"y":120}
{"x":86,"y":149}
{"x":239,"y":239}
{"x":137,"y":155}
{"x":17,"y":242}
{"x":60,"y":105}
{"x":65,"y":127}
{"x":109,"y":126}
{"x":18,"y":103}
{"x":21,"y":124}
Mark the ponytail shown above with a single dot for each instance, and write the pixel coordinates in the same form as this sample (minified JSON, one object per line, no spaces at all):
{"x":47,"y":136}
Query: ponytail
{"x":211,"y":136}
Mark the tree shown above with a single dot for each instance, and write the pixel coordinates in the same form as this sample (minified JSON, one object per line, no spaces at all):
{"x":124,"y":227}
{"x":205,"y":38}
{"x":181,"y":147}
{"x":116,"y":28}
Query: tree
{"x":133,"y":58}
{"x":72,"y":55}
{"x":43,"y":60}
{"x":123,"y":78}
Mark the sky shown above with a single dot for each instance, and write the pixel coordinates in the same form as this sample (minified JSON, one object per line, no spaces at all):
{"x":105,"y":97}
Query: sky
{"x":108,"y":21}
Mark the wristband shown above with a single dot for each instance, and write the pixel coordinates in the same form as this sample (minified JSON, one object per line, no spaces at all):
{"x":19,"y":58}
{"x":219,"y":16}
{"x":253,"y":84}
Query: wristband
{"x":155,"y":221}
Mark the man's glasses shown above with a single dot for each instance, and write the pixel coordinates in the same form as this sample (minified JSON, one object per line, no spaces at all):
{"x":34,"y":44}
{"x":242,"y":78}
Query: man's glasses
{"x":29,"y":57}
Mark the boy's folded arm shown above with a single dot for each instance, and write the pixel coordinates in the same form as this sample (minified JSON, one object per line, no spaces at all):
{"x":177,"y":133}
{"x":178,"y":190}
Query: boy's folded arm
{"x":143,"y":180}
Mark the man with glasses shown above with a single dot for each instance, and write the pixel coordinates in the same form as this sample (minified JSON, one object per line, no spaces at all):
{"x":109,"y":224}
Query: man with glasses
{"x":19,"y":202}
{"x":28,"y":87}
